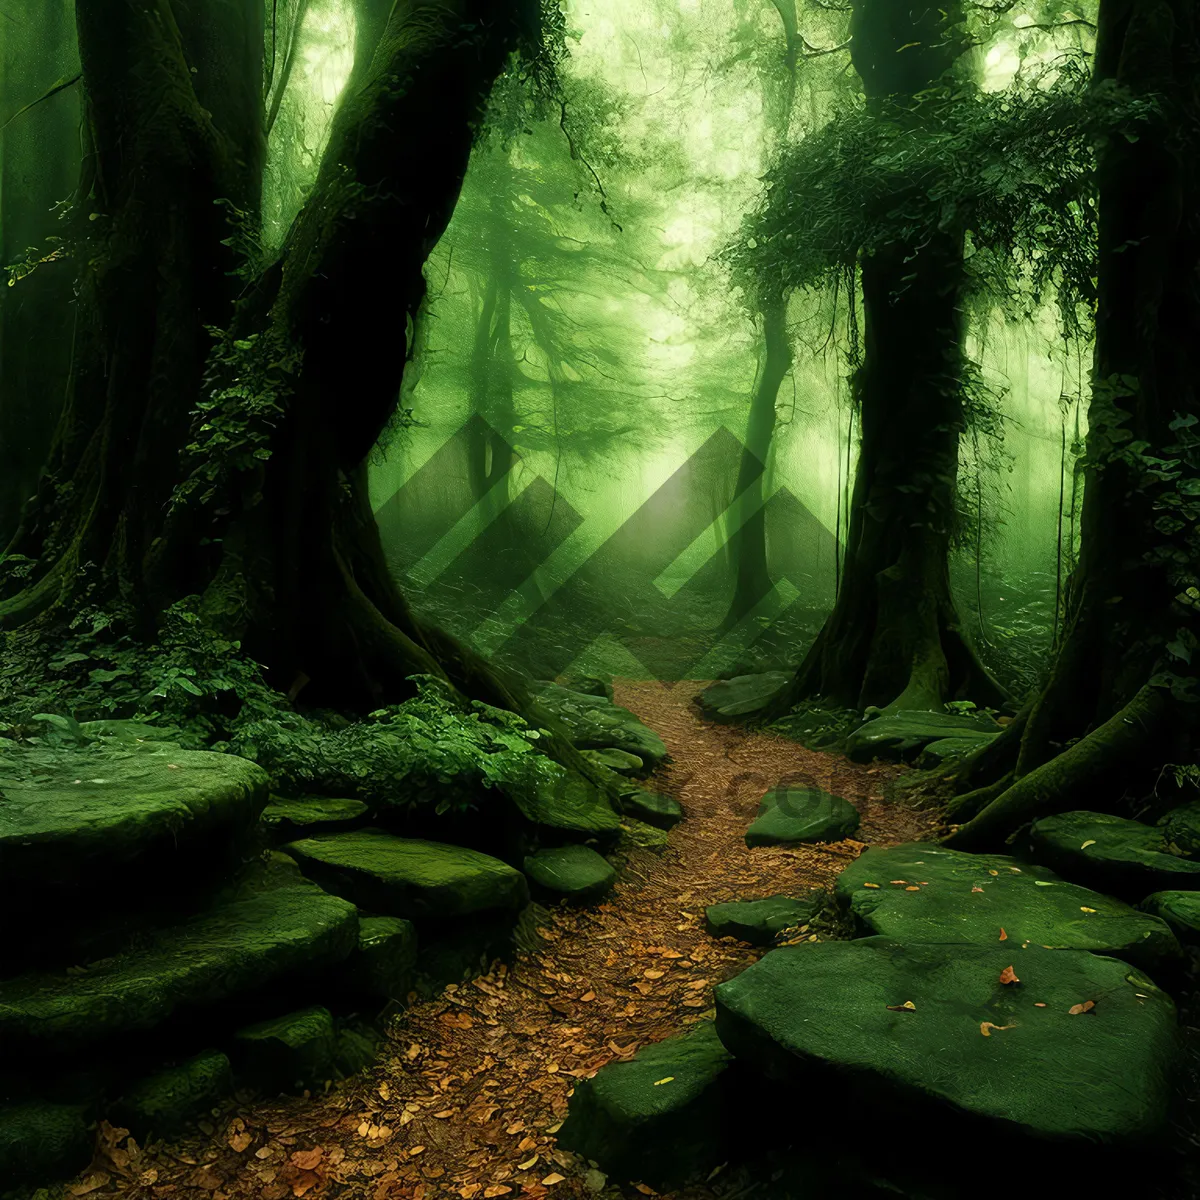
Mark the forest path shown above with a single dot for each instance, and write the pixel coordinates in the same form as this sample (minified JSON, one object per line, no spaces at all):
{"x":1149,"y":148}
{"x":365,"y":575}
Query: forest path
{"x":470,"y":1088}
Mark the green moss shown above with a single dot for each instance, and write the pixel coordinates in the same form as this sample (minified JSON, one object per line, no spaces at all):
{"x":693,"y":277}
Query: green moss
{"x":408,"y":877}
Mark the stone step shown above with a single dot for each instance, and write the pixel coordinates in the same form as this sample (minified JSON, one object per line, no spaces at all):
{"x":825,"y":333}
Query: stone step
{"x":274,"y":925}
{"x":923,"y":893}
{"x":409,"y":877}
{"x":1078,"y":1049}
{"x":1113,"y":853}
{"x":73,"y":820}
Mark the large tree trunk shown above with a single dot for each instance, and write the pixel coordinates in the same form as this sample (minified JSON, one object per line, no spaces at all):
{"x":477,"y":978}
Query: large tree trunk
{"x":260,"y":504}
{"x":894,"y":639}
{"x":1127,"y":598}
{"x":39,"y":169}
{"x":154,"y":276}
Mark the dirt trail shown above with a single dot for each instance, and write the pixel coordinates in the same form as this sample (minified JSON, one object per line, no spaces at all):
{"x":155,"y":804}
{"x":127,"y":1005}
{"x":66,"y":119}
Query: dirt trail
{"x":470,"y":1088}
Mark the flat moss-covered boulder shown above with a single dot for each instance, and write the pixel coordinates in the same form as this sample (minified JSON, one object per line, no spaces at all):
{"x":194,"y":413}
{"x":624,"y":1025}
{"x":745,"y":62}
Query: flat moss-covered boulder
{"x":920,"y":892}
{"x":612,"y":759}
{"x":382,"y":965}
{"x":910,"y":1026}
{"x":297,"y":1050}
{"x":42,"y":1142}
{"x":658,"y":1118}
{"x":903,"y":735}
{"x":1111,"y":852}
{"x":80,"y":815}
{"x":576,"y":874}
{"x":560,"y":802}
{"x":789,"y":815}
{"x":273,"y":926}
{"x":289,"y":820}
{"x":596,"y":723}
{"x":760,"y":921}
{"x":653,"y":808}
{"x":409,"y":877}
{"x":1179,"y":910}
{"x":1181,"y":830}
{"x":743,"y":696}
{"x":164,"y":1104}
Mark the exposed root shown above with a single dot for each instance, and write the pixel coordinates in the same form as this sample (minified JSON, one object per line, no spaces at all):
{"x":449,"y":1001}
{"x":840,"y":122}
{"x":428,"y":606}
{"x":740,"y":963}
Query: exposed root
{"x":1086,"y":773}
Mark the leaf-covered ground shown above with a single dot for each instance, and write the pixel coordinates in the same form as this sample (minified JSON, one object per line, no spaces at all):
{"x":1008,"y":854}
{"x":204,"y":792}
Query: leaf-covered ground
{"x":471,"y":1087}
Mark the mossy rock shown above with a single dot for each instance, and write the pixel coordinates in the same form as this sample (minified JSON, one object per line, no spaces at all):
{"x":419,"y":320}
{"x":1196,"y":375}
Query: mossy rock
{"x":901,"y":736}
{"x":41,"y":1143}
{"x":1180,"y":911}
{"x":742,"y":696}
{"x":760,"y":921}
{"x":946,"y":750}
{"x":618,"y":761}
{"x":972,"y":897}
{"x":273,"y":926}
{"x":827,"y":1019}
{"x":409,"y":877}
{"x":289,"y":820}
{"x":645,"y":837}
{"x":789,"y":815}
{"x":657,"y":1119}
{"x":1181,"y":830}
{"x":294,"y":1051}
{"x":653,"y":808}
{"x":81,"y":816}
{"x":595,"y":723}
{"x":382,"y":965}
{"x":564,"y":804}
{"x":164,"y":1104}
{"x":1112,"y":853}
{"x":576,"y":874}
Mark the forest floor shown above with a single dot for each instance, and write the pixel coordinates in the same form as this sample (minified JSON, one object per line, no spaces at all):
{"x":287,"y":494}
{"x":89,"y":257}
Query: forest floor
{"x":470,"y":1088}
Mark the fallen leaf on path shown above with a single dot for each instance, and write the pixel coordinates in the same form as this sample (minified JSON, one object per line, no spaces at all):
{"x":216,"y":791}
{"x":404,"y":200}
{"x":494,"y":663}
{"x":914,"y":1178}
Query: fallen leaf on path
{"x":1008,"y":975}
{"x":496,"y":1189}
{"x":587,"y":997}
{"x":553,"y":1178}
{"x":986,"y":1027}
{"x":1089,"y":842}
{"x":873,"y":885}
{"x":907,"y":1006}
{"x":529,"y":1162}
{"x":899,"y":881}
{"x":646,"y":1191}
{"x":240,"y":1141}
{"x":1086,"y":1006}
{"x":308,"y":1160}
{"x":977,"y":889}
{"x":668,"y":1079}
{"x":1039,"y":1004}
{"x":1084,"y":908}
{"x":1003,"y":935}
{"x":993,"y":872}
{"x":912,"y":888}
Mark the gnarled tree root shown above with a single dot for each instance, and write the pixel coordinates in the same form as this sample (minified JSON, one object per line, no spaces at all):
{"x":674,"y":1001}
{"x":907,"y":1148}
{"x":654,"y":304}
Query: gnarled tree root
{"x":1086,"y":773}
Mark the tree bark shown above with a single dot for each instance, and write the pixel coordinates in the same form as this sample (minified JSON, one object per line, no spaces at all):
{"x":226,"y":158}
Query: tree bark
{"x":1126,"y":596}
{"x":259,"y":505}
{"x":894,"y":639}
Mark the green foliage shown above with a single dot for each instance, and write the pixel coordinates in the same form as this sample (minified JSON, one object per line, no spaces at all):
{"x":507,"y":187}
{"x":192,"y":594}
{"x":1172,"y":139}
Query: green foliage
{"x":103,"y":667}
{"x":1012,"y":171}
{"x":434,"y":749}
{"x":243,"y":399}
